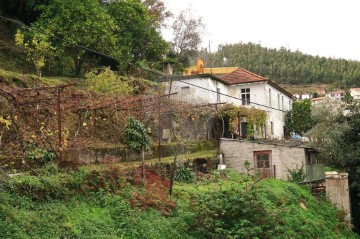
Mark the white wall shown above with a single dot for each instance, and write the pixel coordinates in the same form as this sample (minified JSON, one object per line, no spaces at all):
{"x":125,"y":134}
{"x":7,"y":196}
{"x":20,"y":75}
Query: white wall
{"x":355,"y":93}
{"x":259,"y":93}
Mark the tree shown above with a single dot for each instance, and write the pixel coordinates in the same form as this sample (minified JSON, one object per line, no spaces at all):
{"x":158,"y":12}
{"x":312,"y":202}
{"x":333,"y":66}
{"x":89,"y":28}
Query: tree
{"x":83,"y":23}
{"x":37,"y":48}
{"x":136,"y":138}
{"x":337,"y":136}
{"x":140,"y":41}
{"x":348,"y":98}
{"x":299,"y":119}
{"x":187,"y":36}
{"x":157,"y":12}
{"x":327,"y":131}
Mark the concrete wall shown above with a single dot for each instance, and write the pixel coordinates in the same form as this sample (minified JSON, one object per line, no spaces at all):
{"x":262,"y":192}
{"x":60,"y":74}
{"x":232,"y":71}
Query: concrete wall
{"x":337,"y":190}
{"x":283,"y":157}
{"x":259,"y":93}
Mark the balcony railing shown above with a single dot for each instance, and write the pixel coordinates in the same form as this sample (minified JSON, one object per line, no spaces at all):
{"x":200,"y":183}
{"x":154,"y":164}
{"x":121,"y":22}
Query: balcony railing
{"x":314,"y":172}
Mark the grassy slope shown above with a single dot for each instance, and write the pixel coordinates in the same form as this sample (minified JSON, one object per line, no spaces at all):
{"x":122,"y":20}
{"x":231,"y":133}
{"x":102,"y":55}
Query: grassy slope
{"x":64,"y":205}
{"x":29,"y":80}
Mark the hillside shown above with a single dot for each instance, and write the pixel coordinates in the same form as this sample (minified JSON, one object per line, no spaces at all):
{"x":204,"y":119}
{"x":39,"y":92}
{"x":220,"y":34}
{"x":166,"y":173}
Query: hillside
{"x":286,"y":66}
{"x":109,"y":203}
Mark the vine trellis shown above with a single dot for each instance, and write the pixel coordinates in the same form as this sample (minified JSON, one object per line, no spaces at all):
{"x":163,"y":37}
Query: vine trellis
{"x":66,"y":117}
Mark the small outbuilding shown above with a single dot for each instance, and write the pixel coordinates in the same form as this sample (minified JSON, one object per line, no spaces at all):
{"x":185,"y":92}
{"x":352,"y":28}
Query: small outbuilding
{"x":272,"y":159}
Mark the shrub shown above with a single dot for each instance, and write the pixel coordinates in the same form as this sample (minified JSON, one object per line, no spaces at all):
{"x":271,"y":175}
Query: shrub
{"x":183,"y":174}
{"x":296,"y":175}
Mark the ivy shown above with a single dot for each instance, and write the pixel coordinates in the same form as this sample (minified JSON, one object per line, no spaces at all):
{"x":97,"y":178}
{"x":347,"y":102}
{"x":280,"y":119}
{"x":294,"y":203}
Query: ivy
{"x":254,"y":117}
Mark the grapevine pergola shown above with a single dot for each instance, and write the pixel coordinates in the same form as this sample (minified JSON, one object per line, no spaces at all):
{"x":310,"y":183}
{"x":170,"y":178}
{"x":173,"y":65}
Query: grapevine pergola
{"x":40,"y":113}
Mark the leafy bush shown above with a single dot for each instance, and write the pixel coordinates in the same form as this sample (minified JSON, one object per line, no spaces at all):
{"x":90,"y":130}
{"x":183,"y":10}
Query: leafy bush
{"x":91,"y":204}
{"x":108,"y":82}
{"x":297,"y":175}
{"x":39,"y":155}
{"x":183,"y":174}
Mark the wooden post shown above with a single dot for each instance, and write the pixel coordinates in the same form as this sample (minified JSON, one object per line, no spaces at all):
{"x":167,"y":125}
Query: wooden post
{"x":143,"y":167}
{"x":59,"y":123}
{"x":159,"y":125}
{"x":217,"y":134}
{"x":239,"y":124}
{"x":274,"y":173}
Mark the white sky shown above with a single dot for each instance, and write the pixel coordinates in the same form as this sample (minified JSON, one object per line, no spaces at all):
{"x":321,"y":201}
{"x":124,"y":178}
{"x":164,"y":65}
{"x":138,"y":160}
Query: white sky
{"x":329,"y":28}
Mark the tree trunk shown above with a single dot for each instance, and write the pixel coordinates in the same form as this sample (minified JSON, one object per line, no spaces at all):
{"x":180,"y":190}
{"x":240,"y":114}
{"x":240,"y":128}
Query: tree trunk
{"x":78,"y":64}
{"x":20,"y":10}
{"x":143,"y":167}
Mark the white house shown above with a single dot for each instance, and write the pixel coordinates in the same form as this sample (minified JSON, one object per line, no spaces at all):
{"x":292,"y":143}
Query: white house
{"x":355,"y":93}
{"x":240,"y":87}
{"x":336,"y":95}
{"x":303,"y":96}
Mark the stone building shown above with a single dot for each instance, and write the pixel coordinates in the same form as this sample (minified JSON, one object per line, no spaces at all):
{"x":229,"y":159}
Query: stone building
{"x":272,"y":159}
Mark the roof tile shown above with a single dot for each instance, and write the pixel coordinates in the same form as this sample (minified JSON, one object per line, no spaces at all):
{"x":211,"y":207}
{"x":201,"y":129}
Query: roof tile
{"x":241,"y":75}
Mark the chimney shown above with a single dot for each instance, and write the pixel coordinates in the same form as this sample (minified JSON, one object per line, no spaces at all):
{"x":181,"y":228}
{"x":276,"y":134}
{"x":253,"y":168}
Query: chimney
{"x":167,"y":69}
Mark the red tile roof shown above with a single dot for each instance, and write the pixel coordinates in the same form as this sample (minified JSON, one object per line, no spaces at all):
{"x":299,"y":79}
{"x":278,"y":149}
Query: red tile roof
{"x":241,"y":75}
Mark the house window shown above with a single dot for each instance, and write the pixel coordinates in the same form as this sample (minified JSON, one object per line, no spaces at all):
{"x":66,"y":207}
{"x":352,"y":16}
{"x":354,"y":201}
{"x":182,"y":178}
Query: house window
{"x":263,"y":163}
{"x":270,"y":97}
{"x":218,"y":99}
{"x":278,"y":101}
{"x":282,"y":102}
{"x":272,"y":127}
{"x":245,"y":96}
{"x":185,"y":90}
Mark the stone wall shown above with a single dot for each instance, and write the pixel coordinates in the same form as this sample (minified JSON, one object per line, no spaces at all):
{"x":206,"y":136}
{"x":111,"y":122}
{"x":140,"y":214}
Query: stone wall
{"x":282,"y":157}
{"x":90,"y":156}
{"x":337,"y":190}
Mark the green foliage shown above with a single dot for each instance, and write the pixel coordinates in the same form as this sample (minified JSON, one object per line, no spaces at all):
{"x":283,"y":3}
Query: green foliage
{"x":135,"y":135}
{"x":285,"y":66}
{"x":348,"y":98}
{"x":56,"y":204}
{"x":108,"y":82}
{"x":297,"y":175}
{"x":184,"y":174}
{"x":299,"y":119}
{"x":327,"y":131}
{"x":256,"y":118}
{"x":95,"y":216}
{"x":83,"y":23}
{"x":136,"y":34}
{"x":38,"y":154}
{"x":272,"y":209}
{"x":204,"y":145}
{"x":37,"y":48}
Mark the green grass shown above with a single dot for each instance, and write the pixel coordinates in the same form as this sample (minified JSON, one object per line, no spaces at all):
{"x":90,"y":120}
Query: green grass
{"x":88,"y":204}
{"x":30,"y":80}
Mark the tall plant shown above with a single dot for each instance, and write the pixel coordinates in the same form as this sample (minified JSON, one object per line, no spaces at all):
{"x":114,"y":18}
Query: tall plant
{"x":136,"y":138}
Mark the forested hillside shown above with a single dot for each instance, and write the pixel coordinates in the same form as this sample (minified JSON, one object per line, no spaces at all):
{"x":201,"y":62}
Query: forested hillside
{"x":286,"y":66}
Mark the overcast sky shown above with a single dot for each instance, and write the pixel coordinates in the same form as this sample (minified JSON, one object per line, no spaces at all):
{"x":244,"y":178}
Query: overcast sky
{"x":328,"y":28}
